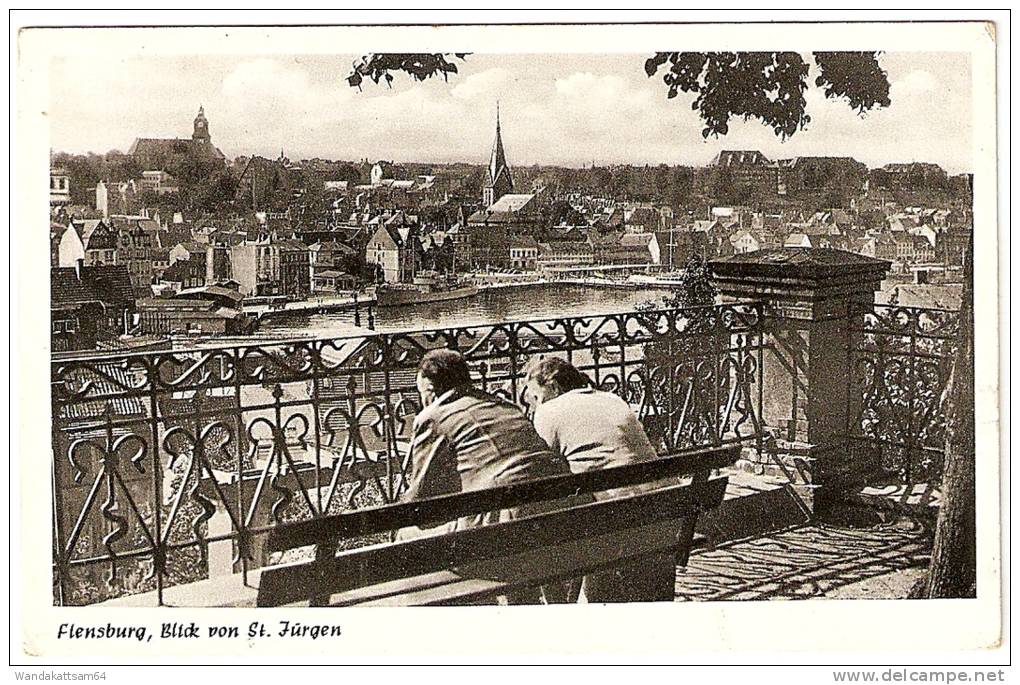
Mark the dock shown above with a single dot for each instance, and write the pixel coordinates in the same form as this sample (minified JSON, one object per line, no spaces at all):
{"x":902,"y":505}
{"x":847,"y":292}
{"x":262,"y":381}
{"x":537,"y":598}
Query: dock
{"x":315,"y":305}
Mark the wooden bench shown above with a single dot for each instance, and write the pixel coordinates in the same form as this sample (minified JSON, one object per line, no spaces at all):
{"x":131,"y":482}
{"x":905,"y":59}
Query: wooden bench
{"x":477,"y":565}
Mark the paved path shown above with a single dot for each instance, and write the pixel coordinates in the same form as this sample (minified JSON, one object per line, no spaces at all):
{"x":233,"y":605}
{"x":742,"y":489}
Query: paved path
{"x":811,"y":561}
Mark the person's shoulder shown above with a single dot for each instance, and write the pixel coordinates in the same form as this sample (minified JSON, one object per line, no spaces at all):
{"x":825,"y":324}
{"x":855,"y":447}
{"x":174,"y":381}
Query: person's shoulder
{"x":477,"y":396}
{"x":609,"y":398}
{"x":555,"y":411}
{"x":425,"y":416}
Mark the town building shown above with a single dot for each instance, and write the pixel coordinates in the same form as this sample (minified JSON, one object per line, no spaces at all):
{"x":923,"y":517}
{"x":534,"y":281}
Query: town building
{"x":138,"y":238}
{"x":265,"y":264}
{"x":294,"y":269}
{"x":744,"y":171}
{"x":69,"y":247}
{"x":460,"y":238}
{"x":159,"y":182}
{"x":332,"y":282}
{"x":190,"y":315}
{"x":886,"y":246}
{"x":642,"y":219}
{"x":193,"y":264}
{"x":513,"y":213}
{"x":117,"y":197}
{"x":183,"y":274}
{"x":393,"y":251}
{"x":255,"y":266}
{"x":380,"y":173}
{"x":951,"y":244}
{"x":89,"y":303}
{"x":60,"y":188}
{"x":99,"y":239}
{"x":523,"y":253}
{"x":57,"y":230}
{"x":332,"y":255}
{"x":744,"y":241}
{"x":911,"y":176}
{"x":636,"y":248}
{"x":164,"y":153}
{"x":564,"y":255}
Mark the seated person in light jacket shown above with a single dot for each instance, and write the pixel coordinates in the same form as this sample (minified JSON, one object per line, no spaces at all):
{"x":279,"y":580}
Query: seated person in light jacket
{"x":466,"y":439}
{"x":594,"y":429}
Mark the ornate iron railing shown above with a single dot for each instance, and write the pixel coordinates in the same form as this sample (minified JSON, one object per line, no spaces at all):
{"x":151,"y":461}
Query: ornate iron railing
{"x":172,"y":466}
{"x":902,"y":359}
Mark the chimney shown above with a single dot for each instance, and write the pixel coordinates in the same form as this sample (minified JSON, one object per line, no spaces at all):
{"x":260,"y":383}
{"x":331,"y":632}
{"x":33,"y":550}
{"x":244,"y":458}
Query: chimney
{"x":79,"y":264}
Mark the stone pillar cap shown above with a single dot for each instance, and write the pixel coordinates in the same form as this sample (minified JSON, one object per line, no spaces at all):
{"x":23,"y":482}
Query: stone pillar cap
{"x":809,"y":263}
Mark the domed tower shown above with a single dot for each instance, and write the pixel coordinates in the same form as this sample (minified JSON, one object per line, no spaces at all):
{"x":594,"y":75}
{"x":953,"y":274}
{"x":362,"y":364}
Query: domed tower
{"x":201,"y":134}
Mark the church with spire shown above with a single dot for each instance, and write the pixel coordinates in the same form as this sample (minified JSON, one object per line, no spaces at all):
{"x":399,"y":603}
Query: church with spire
{"x":160,"y":153}
{"x":502,"y":231}
{"x":499,"y":181}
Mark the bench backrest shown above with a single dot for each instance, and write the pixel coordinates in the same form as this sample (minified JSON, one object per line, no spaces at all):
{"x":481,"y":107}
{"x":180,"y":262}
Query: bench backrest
{"x":332,"y":573}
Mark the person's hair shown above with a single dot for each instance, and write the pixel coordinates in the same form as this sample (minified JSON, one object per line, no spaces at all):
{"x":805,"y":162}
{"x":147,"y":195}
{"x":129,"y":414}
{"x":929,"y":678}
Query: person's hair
{"x":559,"y":373}
{"x":446,"y":369}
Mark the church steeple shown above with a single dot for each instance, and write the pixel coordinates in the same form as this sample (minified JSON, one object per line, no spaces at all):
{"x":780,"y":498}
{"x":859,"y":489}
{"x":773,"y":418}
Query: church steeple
{"x":201,"y":132}
{"x":500,"y":182}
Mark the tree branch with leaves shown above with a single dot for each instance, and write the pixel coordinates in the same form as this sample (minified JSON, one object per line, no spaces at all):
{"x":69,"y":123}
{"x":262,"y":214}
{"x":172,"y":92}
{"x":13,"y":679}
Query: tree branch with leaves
{"x":379,"y":66}
{"x":767,"y":86}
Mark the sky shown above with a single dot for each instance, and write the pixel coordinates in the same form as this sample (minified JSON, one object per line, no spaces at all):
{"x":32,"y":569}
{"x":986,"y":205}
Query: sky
{"x":567,"y":109}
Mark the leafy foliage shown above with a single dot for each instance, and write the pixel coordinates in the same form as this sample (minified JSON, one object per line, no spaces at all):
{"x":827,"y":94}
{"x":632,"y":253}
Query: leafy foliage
{"x":561,"y":212}
{"x":695,"y":288}
{"x":85,"y":171}
{"x":768,"y":86}
{"x":722,"y":186}
{"x":854,"y":76}
{"x":380,"y":66}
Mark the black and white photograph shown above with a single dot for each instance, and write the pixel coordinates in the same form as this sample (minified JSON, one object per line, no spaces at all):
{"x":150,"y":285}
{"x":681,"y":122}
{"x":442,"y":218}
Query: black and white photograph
{"x":340,"y":326}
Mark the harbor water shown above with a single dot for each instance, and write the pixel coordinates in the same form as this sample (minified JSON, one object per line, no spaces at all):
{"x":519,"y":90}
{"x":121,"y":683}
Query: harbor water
{"x":488,"y":306}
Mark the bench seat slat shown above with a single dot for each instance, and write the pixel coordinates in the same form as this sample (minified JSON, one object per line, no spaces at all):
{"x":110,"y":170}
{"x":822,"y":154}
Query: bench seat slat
{"x":488,"y":579}
{"x":418,"y":558}
{"x":434,"y":510}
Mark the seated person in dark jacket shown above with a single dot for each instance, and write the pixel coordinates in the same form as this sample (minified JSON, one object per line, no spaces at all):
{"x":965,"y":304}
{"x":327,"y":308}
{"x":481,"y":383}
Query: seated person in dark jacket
{"x":466,"y":439}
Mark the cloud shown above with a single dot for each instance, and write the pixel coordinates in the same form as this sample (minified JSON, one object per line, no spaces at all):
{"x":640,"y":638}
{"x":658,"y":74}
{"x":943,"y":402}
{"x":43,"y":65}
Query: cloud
{"x":264,"y":77}
{"x":589,"y":86}
{"x":565,"y":109}
{"x":917,"y":81}
{"x":487,"y":83}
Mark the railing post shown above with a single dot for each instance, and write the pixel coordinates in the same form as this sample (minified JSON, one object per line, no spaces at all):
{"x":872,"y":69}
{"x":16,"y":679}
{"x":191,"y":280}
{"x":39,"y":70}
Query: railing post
{"x":159,"y":554}
{"x":812,"y":298}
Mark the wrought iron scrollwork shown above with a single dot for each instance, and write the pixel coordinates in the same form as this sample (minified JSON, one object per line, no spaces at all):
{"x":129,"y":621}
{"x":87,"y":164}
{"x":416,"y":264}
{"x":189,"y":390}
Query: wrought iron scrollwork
{"x":902,"y":358}
{"x":159,"y":455}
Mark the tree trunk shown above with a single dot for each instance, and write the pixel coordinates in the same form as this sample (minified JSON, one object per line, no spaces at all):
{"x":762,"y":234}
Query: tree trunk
{"x":952,"y":572}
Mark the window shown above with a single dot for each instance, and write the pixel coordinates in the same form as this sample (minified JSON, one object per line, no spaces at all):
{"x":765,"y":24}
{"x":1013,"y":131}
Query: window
{"x":63,"y":326}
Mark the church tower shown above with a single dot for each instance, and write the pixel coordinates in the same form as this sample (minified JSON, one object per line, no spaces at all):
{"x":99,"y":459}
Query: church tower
{"x":499,"y":182}
{"x":201,"y":134}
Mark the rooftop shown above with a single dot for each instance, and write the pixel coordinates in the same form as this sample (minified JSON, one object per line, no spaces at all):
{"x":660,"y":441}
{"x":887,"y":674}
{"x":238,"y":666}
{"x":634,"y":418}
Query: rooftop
{"x":793,"y":261}
{"x":80,"y":285}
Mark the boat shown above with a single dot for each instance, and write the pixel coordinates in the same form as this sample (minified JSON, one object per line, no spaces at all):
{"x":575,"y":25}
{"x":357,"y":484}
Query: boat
{"x":426,"y":287}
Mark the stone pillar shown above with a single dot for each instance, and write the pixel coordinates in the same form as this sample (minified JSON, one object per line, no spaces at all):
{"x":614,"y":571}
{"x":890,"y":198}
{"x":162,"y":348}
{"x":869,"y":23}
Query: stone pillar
{"x":812,"y":298}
